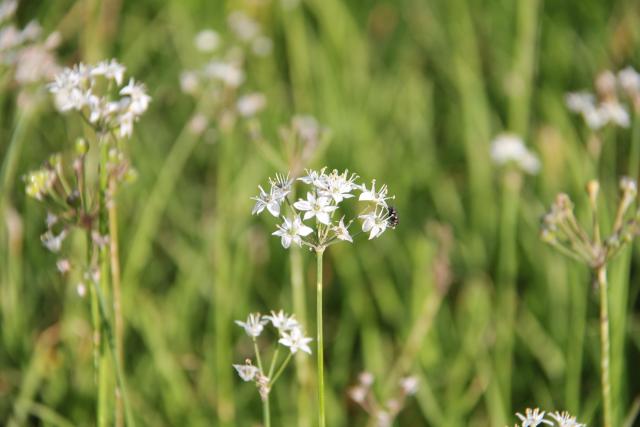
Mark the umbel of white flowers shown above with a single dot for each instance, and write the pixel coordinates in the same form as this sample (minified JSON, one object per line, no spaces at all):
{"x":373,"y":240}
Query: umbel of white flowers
{"x":324,"y":197}
{"x":535,"y":417}
{"x":290,"y":336}
{"x":97,"y":92}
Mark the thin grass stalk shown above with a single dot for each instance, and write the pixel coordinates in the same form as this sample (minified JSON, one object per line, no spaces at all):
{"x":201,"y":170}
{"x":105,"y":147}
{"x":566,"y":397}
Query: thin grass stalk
{"x":320,"y":352}
{"x":114,"y":250}
{"x":605,"y":375}
{"x":505,"y":283}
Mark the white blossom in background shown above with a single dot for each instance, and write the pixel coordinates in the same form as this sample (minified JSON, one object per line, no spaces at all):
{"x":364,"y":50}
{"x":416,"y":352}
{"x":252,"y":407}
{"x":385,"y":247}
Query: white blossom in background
{"x":327,"y":191}
{"x":207,"y":40}
{"x":79,"y":89}
{"x":510,"y":149}
{"x":254,"y":324}
{"x":218,"y":83}
{"x":629,"y":81}
{"x":26,"y":55}
{"x":251,"y":104}
{"x":606,"y":106}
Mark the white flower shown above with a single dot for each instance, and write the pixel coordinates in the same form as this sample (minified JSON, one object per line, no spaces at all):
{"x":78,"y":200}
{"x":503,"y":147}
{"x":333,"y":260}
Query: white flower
{"x":358,"y":394}
{"x":229,"y":73}
{"x":112,"y":70}
{"x":53,"y":242}
{"x":374,"y":222}
{"x":409,"y":385}
{"x":509,"y":148}
{"x":341,"y":231}
{"x":243,"y":26}
{"x":189,"y":82}
{"x":379,"y":197}
{"x":247,"y":371}
{"x":338,"y":186}
{"x":313,"y":177}
{"x":629,"y":80}
{"x":207,"y":40}
{"x":295,"y":340}
{"x":613,"y":112}
{"x":292,"y":231}
{"x":139,"y":100}
{"x":249,"y":105}
{"x":564,"y":419}
{"x":282,"y":321}
{"x":318,"y":207}
{"x":126,"y":125}
{"x":254,"y":324}
{"x":579,"y":102}
{"x":270,"y":200}
{"x":532,"y":418}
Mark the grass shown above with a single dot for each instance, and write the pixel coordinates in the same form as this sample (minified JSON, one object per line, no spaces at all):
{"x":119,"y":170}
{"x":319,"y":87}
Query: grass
{"x":412,"y":91}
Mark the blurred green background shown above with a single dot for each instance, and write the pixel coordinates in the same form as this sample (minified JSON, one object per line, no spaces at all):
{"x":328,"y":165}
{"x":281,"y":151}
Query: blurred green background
{"x":412,"y":91}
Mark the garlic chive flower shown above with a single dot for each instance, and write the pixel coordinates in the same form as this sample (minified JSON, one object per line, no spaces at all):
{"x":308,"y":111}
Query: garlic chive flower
{"x":292,"y":231}
{"x":318,"y":207}
{"x":247,"y":371}
{"x":86,"y":89}
{"x":326,"y":192}
{"x":254,"y":324}
{"x":289,"y":335}
{"x":510,"y":149}
{"x":608,"y":107}
{"x":282,"y":321}
{"x":533,"y":418}
{"x":565,"y":419}
{"x":295,"y":340}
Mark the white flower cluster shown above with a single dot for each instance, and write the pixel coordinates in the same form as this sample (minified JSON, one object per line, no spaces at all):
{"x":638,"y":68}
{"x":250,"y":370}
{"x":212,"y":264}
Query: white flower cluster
{"x":224,"y":73}
{"x":89,"y":89}
{"x":23,"y":49}
{"x":606,"y":108}
{"x":290,"y":335}
{"x":289,"y":330}
{"x":535,"y":417}
{"x":382,"y":413}
{"x":322,"y":201}
{"x":510,"y":149}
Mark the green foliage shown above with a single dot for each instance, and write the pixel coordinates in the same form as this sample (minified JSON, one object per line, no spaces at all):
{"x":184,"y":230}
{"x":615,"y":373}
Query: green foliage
{"x":412,"y":91}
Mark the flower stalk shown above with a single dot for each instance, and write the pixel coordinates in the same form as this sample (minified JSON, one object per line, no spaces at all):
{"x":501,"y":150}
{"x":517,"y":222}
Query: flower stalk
{"x":319,"y":332}
{"x":605,"y":373}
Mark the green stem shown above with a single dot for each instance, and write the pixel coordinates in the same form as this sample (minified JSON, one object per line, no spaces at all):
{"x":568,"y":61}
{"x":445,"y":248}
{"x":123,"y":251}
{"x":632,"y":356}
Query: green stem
{"x":302,"y":363}
{"x":280,"y":370}
{"x":103,"y":362}
{"x":605,"y":377}
{"x":320,"y":352}
{"x":273,"y":362}
{"x":266,"y":412}
{"x":106,"y":327}
{"x":114,"y":253}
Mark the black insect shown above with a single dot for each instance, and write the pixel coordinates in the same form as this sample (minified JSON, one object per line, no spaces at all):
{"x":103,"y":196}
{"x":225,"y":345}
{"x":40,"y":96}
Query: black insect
{"x":393,"y":219}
